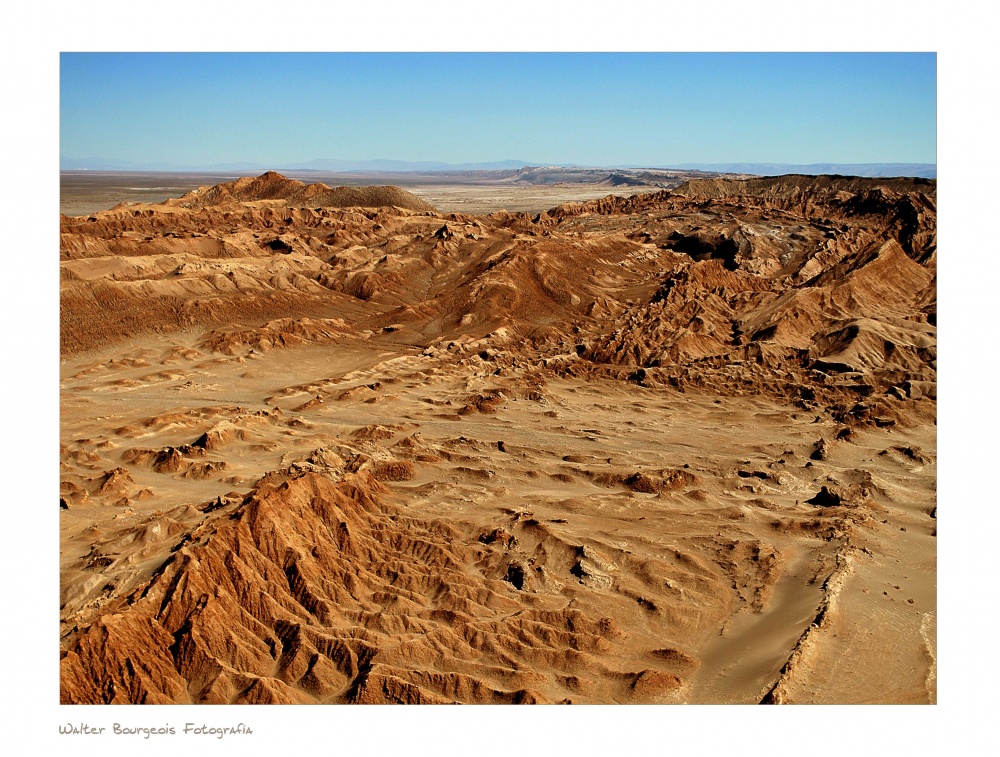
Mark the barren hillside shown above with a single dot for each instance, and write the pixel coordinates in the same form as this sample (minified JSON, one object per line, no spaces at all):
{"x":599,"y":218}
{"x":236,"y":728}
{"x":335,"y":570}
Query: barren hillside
{"x":331,"y":445}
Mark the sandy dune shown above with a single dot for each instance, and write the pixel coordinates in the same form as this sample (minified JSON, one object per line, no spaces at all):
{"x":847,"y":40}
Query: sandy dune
{"x":674,"y":447}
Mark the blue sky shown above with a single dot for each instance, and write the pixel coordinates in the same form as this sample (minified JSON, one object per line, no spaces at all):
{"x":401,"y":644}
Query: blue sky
{"x":591,"y":109}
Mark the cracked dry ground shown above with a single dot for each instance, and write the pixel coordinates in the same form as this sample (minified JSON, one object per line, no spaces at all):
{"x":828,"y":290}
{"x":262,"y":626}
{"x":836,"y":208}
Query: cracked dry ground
{"x":678,"y":447}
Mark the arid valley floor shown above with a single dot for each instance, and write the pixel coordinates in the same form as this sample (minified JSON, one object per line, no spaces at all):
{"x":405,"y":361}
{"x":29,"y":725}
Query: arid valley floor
{"x":669,"y":443}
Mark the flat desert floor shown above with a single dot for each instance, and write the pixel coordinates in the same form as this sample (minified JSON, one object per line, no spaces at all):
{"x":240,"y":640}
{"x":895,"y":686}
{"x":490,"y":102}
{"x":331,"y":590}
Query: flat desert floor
{"x":85,"y":192}
{"x":378,"y":445}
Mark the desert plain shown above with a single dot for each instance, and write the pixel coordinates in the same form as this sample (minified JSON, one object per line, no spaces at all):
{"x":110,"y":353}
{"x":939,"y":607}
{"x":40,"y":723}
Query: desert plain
{"x":613,"y":438}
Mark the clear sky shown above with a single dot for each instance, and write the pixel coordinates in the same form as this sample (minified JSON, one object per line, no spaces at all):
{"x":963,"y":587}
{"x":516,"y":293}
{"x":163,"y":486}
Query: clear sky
{"x":592,"y":109}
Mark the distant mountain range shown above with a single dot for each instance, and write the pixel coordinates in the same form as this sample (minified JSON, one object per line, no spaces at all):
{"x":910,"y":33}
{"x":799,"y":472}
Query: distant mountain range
{"x":391,"y":166}
{"x":323,"y":164}
{"x":924,"y":170}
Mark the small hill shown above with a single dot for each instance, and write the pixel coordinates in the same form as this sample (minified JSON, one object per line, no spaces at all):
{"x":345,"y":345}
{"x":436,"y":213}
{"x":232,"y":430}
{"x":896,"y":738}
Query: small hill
{"x":273,"y":186}
{"x":322,"y":196}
